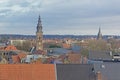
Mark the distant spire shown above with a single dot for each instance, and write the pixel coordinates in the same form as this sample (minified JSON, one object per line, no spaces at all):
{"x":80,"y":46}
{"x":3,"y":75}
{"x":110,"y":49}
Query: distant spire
{"x":99,"y":30}
{"x":39,"y":25}
{"x":99,"y":34}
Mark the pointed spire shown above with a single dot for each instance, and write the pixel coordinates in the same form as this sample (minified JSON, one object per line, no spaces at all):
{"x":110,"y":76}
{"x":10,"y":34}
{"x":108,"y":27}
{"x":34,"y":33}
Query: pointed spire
{"x":39,"y":19}
{"x":39,"y":25}
{"x":99,"y":34}
{"x":99,"y":30}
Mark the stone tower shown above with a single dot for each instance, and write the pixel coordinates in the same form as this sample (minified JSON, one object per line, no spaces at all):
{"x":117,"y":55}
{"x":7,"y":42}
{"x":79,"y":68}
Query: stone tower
{"x":39,"y":36}
{"x":99,"y":34}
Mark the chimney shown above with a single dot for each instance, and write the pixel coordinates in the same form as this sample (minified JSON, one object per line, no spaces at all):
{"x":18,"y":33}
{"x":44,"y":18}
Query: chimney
{"x":99,"y":76}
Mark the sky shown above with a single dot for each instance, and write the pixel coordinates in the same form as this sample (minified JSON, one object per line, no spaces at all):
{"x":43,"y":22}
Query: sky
{"x":69,"y":17}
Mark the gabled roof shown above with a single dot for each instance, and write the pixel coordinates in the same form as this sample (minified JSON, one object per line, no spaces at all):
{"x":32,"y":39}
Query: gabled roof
{"x":75,"y":72}
{"x":109,"y":70}
{"x":100,"y":55}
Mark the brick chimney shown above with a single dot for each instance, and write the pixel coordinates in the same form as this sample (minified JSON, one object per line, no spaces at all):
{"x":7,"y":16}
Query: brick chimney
{"x":98,"y":76}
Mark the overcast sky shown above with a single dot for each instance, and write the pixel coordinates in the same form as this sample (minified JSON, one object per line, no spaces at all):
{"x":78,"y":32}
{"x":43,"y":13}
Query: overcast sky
{"x":77,"y":17}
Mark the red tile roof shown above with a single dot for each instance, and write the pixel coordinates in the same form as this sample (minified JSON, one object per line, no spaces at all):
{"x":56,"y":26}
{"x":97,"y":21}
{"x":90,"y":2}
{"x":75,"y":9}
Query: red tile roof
{"x":27,"y":72}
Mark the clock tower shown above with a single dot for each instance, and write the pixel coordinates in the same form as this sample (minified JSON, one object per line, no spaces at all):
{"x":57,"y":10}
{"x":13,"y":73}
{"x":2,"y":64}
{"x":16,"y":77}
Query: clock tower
{"x":39,"y":35}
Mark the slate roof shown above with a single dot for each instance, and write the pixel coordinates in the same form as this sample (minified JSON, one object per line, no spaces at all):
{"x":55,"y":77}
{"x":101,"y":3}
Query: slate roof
{"x":109,"y":70}
{"x":75,"y":48}
{"x":75,"y":72}
{"x":58,"y":51}
{"x":38,"y":52}
{"x":100,"y":55}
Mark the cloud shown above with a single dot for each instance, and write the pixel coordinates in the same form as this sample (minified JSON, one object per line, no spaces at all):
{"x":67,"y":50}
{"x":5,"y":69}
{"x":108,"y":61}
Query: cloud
{"x":61,"y":16}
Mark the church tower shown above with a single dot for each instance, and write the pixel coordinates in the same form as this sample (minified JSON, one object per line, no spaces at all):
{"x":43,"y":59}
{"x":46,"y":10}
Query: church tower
{"x":39,"y":35}
{"x":99,"y":34}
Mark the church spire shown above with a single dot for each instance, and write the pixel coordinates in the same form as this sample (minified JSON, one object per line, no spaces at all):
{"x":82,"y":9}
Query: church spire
{"x":39,"y":35}
{"x":99,"y":34}
{"x":39,"y":25}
